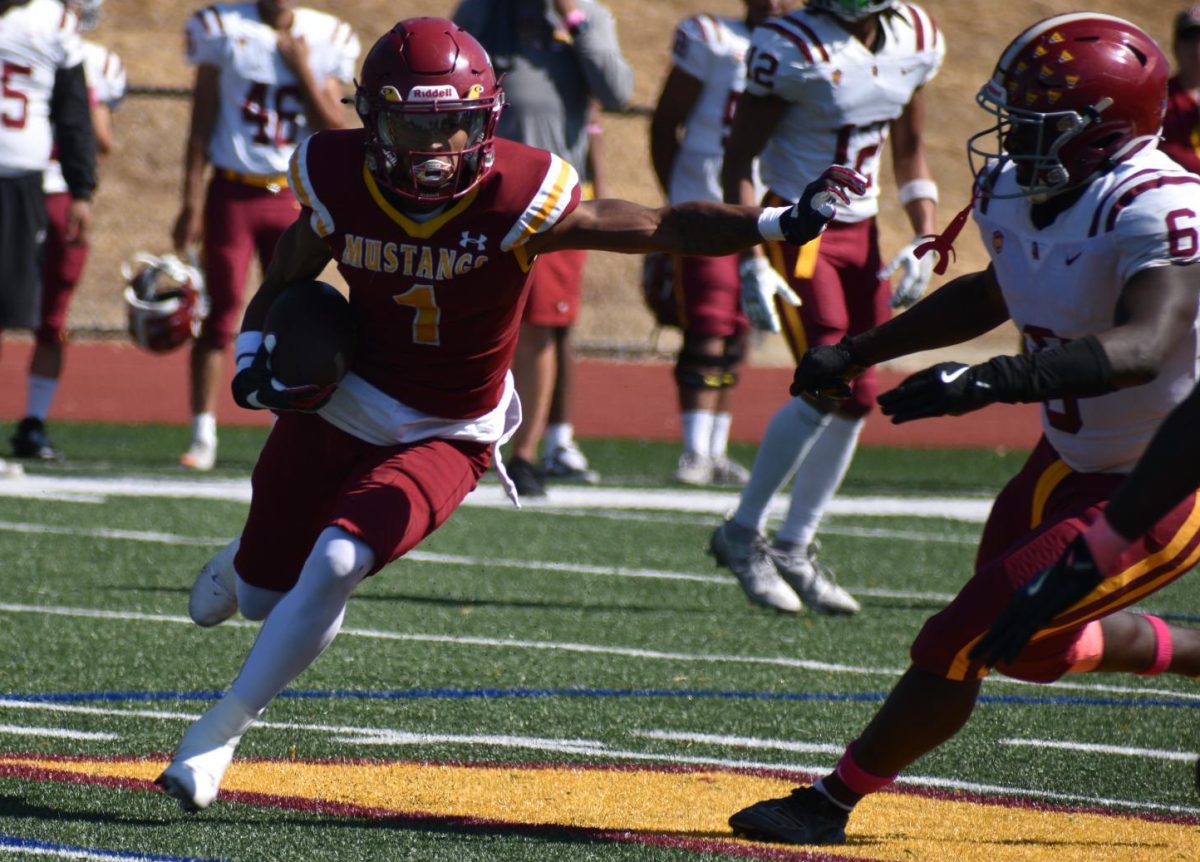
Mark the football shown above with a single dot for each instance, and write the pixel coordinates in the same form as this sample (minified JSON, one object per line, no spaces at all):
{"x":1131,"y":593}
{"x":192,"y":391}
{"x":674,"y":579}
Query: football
{"x":315,"y":334}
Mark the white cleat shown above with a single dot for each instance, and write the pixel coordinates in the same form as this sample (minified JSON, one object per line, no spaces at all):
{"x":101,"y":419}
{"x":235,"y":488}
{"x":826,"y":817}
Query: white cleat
{"x":11,"y":469}
{"x":751,"y":562}
{"x":214,"y":594}
{"x":194,"y":775}
{"x":729,"y":473}
{"x":813,"y":581}
{"x":201,"y":457}
{"x":694,"y":468}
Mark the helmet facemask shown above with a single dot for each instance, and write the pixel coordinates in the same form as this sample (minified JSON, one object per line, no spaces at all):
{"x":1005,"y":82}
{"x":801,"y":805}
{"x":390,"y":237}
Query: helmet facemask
{"x":852,"y":10}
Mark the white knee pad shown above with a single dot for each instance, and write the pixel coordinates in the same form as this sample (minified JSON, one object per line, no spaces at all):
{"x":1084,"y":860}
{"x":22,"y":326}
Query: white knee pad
{"x":337,"y":563}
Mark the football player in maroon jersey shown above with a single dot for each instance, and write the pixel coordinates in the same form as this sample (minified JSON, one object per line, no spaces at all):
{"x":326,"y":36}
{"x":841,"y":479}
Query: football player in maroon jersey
{"x":434,"y":223}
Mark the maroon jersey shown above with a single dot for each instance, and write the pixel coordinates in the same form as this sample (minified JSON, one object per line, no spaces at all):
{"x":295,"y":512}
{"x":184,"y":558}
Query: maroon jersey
{"x":438,"y":301}
{"x":1181,"y":127}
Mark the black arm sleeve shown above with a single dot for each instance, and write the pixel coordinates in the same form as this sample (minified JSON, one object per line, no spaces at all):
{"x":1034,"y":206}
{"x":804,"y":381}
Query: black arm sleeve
{"x":1077,"y":369}
{"x":72,"y":118}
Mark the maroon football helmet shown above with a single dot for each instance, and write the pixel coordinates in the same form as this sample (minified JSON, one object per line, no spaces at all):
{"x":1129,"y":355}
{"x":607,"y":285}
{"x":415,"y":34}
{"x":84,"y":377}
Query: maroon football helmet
{"x":1073,"y":96}
{"x":165,"y":301}
{"x":423,"y":83}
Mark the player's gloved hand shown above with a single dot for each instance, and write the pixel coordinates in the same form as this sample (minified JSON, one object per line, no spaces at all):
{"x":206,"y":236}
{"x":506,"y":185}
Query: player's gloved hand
{"x":760,"y":285}
{"x":915,"y":273}
{"x":255,"y":387}
{"x":818,"y":203}
{"x":945,"y":389}
{"x":826,"y":371}
{"x":1050,"y":593}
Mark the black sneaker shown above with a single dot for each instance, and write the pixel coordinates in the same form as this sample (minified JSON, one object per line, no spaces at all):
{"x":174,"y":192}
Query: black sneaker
{"x":525,"y":477}
{"x":31,"y":441}
{"x":805,"y":817}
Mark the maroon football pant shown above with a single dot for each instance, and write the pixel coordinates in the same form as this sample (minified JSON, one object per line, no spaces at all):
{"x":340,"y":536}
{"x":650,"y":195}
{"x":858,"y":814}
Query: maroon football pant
{"x":310,"y":476}
{"x":1041,"y":510}
{"x":61,"y":272}
{"x":556,"y":288}
{"x":708,"y":292}
{"x":239,"y":220}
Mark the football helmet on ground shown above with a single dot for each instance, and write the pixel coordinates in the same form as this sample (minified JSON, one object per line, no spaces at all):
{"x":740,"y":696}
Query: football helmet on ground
{"x":165,"y":301}
{"x":852,"y":10}
{"x":1073,"y":95}
{"x":429,"y":100}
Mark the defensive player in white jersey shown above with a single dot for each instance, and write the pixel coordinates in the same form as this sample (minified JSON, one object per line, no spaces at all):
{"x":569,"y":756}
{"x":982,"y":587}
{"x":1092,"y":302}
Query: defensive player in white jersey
{"x":835,"y":79}
{"x":268,"y":74}
{"x":1092,"y":234}
{"x":63,"y":260}
{"x":44,"y":96}
{"x":687,"y":143}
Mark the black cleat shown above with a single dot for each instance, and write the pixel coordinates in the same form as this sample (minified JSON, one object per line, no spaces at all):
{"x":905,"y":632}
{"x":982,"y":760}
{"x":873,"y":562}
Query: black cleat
{"x":805,"y":817}
{"x":30,"y":440}
{"x":525,"y":476}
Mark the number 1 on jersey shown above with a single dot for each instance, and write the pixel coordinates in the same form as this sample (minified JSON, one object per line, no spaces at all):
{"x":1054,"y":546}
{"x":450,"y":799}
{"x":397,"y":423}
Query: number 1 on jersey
{"x":422,"y":300}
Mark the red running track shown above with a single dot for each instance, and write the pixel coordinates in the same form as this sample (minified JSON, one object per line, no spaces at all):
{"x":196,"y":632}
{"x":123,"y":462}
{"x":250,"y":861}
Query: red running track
{"x":115,"y":382}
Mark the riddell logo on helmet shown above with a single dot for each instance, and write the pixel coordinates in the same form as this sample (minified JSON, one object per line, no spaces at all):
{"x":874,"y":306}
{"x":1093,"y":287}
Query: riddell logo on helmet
{"x":432,"y":94}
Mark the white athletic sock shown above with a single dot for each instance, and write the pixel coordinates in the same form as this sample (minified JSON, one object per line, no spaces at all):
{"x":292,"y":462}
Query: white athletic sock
{"x":558,"y":435}
{"x":718,"y":444}
{"x":204,"y":428}
{"x":697,"y":430}
{"x":789,"y":434}
{"x":817,"y":479}
{"x":306,"y":620}
{"x":39,"y":395}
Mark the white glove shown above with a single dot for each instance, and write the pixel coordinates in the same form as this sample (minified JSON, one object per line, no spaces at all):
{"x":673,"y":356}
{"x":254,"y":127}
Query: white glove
{"x":760,"y":286}
{"x":914,"y":277}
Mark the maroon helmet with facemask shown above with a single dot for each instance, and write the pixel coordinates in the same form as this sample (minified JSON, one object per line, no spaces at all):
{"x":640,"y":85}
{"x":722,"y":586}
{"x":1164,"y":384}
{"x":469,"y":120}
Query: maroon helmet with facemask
{"x":1073,"y":95}
{"x":423,"y":82}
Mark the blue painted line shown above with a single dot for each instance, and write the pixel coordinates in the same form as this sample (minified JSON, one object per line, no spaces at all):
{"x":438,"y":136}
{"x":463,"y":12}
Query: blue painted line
{"x":501,"y":693}
{"x":10,"y":842}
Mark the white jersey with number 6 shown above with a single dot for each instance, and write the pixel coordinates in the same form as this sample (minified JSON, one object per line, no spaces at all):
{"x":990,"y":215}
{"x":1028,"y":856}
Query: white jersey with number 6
{"x":1064,"y":282}
{"x":843,"y":96}
{"x":37,"y":39}
{"x":261,"y":115}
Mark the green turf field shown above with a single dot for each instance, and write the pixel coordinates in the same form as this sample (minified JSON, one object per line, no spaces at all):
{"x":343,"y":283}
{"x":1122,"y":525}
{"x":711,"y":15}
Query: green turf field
{"x":596,"y":637}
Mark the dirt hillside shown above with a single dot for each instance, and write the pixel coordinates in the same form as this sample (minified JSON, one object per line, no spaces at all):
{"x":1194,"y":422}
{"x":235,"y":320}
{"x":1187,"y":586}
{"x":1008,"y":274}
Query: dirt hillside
{"x":140,"y":183}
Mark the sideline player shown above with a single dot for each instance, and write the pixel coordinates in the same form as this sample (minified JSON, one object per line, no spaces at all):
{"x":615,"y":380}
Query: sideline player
{"x":834,"y":79}
{"x":434,"y":222}
{"x":1092,"y":233}
{"x":268,"y":74}
{"x":687,"y":139}
{"x":64,"y":260}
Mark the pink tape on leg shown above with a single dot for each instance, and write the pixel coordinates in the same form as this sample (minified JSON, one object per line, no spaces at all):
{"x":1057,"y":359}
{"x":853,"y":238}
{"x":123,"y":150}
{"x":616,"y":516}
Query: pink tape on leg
{"x":857,"y":778}
{"x":1162,"y":646}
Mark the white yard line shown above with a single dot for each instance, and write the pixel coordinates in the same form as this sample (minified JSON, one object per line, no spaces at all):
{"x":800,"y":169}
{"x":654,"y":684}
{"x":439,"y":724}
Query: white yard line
{"x":54,"y":732}
{"x":1094,"y":748}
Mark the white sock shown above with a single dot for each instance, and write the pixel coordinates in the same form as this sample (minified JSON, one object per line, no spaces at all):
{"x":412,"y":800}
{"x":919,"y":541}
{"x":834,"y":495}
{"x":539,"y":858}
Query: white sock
{"x":789,"y":434}
{"x":204,"y":428}
{"x":559,"y":435}
{"x":819,"y":476}
{"x":697,"y":430}
{"x":718,"y":444}
{"x":39,"y":395}
{"x":306,"y":620}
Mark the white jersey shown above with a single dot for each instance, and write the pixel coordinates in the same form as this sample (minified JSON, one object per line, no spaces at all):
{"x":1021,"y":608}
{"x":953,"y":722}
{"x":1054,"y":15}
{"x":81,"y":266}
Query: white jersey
{"x":843,"y":96}
{"x":1064,"y":281}
{"x":37,"y":39}
{"x":260,"y":117}
{"x":713,"y":51}
{"x":105,"y":76}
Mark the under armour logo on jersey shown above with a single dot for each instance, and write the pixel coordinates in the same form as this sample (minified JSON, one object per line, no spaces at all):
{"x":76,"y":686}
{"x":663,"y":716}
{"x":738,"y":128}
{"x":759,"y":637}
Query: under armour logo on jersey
{"x":480,"y":242}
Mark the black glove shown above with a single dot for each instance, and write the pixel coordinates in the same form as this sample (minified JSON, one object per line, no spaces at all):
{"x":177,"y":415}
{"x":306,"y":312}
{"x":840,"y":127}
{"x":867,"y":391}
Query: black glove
{"x":945,"y":389}
{"x":826,"y":371}
{"x":1050,"y":593}
{"x":255,"y":388}
{"x":817,"y":205}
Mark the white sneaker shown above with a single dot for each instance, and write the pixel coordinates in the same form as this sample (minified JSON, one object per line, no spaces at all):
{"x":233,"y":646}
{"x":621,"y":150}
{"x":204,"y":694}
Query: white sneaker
{"x":694,"y":469}
{"x":201,"y":457}
{"x":214,"y":594}
{"x":194,"y":775}
{"x":813,"y":581}
{"x":569,"y":464}
{"x":727,"y":472}
{"x":10,"y":469}
{"x":751,"y":562}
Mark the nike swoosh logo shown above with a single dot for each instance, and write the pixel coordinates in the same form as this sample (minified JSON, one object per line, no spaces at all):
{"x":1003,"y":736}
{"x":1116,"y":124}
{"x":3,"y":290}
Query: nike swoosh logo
{"x":1035,"y":586}
{"x":951,"y":376}
{"x":1071,"y":258}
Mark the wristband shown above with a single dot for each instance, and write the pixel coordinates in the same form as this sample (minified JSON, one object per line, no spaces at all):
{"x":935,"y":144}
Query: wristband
{"x":1078,"y":368}
{"x":915,"y":190}
{"x":770,"y":225}
{"x":574,"y":21}
{"x":245,"y":347}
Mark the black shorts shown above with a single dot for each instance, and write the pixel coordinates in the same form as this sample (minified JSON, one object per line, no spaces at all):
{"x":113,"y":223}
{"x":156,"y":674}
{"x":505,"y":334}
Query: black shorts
{"x":22,"y":235}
